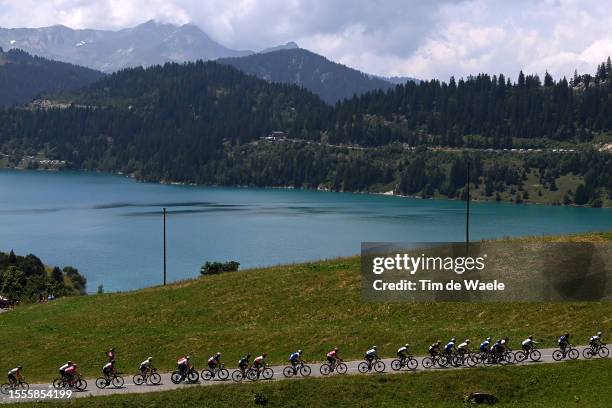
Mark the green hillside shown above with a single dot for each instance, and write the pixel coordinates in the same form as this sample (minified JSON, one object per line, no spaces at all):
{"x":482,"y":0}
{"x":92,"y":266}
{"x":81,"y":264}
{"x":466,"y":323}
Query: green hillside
{"x":313,"y":306}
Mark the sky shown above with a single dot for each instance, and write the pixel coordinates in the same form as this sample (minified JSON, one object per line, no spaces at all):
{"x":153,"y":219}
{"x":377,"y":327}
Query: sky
{"x":422,"y":39}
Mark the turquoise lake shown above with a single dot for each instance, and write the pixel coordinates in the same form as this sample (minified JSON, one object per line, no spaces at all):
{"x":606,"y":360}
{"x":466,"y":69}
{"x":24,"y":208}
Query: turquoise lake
{"x":110,"y":227}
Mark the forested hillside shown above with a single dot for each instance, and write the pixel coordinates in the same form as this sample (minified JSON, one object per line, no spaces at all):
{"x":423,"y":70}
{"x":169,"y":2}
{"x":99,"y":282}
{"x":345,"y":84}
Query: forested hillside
{"x":26,"y":278}
{"x":197,"y":123}
{"x":23,"y":76}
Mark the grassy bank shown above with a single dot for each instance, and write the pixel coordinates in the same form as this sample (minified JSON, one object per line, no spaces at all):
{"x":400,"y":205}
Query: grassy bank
{"x":312,"y":306}
{"x":577,"y":384}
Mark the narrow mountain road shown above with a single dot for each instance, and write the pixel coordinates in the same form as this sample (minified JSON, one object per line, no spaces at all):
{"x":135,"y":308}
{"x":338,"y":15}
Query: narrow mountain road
{"x":166,"y":384}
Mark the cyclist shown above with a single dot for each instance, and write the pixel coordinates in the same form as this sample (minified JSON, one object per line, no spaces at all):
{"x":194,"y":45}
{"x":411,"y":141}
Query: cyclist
{"x":564,"y":342}
{"x":484,"y":346}
{"x":244,"y":363}
{"x":214,"y":360}
{"x":62,"y":370}
{"x":434,"y":349}
{"x":295,"y":359}
{"x":260,"y":362}
{"x":183,"y":364}
{"x":108,"y":370}
{"x":70,"y":373}
{"x":332,"y":357}
{"x":528,"y":343}
{"x":596,"y":341}
{"x":402,"y":352}
{"x":497,"y":347}
{"x":450,"y":346}
{"x":14,"y":375}
{"x":370,"y":355}
{"x":145,"y":366}
{"x":110,"y":354}
{"x":464,"y":347}
{"x":504,"y":344}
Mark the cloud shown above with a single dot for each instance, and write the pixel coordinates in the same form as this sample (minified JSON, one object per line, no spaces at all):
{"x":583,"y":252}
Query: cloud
{"x":433,"y":39}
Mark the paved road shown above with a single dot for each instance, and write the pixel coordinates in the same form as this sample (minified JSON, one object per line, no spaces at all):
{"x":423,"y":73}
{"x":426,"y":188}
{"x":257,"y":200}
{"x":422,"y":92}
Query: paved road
{"x":166,"y":384}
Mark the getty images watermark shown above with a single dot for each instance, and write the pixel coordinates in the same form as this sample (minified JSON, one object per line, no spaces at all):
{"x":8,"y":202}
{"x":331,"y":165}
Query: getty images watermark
{"x":487,"y":271}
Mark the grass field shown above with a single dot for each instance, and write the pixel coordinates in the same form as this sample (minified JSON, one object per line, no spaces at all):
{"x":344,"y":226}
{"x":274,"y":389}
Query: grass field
{"x":576,"y":384}
{"x":313,"y":306}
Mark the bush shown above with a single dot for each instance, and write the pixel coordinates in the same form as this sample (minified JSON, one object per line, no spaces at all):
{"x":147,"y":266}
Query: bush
{"x":213,"y":268}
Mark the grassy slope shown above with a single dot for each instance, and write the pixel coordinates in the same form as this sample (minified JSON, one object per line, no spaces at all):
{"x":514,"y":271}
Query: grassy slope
{"x":553,"y":385}
{"x":312,"y":306}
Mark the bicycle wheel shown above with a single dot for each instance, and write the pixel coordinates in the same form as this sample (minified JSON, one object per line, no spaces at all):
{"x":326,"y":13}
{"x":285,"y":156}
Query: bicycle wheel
{"x":24,"y":386}
{"x":470,"y":360}
{"x":509,"y":357}
{"x":137,"y":379}
{"x":587,"y":353}
{"x":193,"y":376}
{"x":267,"y":373}
{"x":81,"y":384}
{"x":557,"y":355}
{"x":58,"y":383}
{"x":379,"y":366}
{"x":573,"y":354}
{"x":535,"y":355}
{"x":520,"y":356}
{"x":207,"y":375}
{"x":5,"y":388}
{"x":341,"y":368}
{"x":325,"y":369}
{"x":443,"y":361}
{"x":101,"y":383}
{"x":237,"y":376}
{"x":223,"y":374}
{"x":363,"y":367}
{"x":396,"y":365}
{"x":118,"y":381}
{"x":412,"y":364}
{"x":252,"y":375}
{"x":288,"y":372}
{"x":155,"y":378}
{"x":176,"y":377}
{"x":305,"y":370}
{"x":427,"y":362}
{"x":603,"y":352}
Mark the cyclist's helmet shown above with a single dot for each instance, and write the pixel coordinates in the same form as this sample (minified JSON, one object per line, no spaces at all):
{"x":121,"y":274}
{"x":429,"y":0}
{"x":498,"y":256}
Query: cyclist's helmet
{"x":188,"y":357}
{"x":112,"y":361}
{"x":467,"y":341}
{"x":336,"y":348}
{"x":112,"y":349}
{"x":439,"y":342}
{"x":74,"y":365}
{"x":150,"y":358}
{"x":599,"y":333}
{"x":218,"y":354}
{"x":406,"y":345}
{"x":300,"y":351}
{"x":374,"y":347}
{"x":488,"y":339}
{"x":453,"y":339}
{"x":19,"y":367}
{"x":530,"y":337}
{"x":264,"y":354}
{"x":70,"y":362}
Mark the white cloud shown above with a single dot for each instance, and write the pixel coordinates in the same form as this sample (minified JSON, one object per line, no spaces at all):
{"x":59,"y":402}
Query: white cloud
{"x":392,"y":37}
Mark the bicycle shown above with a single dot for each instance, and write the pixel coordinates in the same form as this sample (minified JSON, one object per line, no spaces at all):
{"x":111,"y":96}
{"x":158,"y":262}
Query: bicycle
{"x":293,"y":371}
{"x":6,"y":388}
{"x":569,"y":352}
{"x":328,"y":368}
{"x":532,"y":353}
{"x":596,"y":350}
{"x":255,"y":373}
{"x":115,"y":380}
{"x":78,"y":383}
{"x":190,"y":375}
{"x":367,"y":366}
{"x":462,"y":358}
{"x":150,"y":376}
{"x":219,"y":372}
{"x":408,"y":362}
{"x":499,"y":357}
{"x":432,"y":361}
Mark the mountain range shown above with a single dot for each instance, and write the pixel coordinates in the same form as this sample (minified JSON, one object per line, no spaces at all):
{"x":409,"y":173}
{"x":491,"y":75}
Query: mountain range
{"x":154,"y":43}
{"x":23,"y":76}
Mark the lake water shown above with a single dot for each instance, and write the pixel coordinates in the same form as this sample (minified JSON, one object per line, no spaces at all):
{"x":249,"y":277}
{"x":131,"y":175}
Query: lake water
{"x":110,"y":227}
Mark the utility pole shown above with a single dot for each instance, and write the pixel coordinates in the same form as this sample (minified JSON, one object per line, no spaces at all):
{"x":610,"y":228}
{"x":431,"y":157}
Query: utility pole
{"x":467,"y":209}
{"x":164,"y":246}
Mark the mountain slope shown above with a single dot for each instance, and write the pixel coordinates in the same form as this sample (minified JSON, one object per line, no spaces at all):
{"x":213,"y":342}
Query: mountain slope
{"x":23,"y":76}
{"x":147,"y":44}
{"x":331,"y":81}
